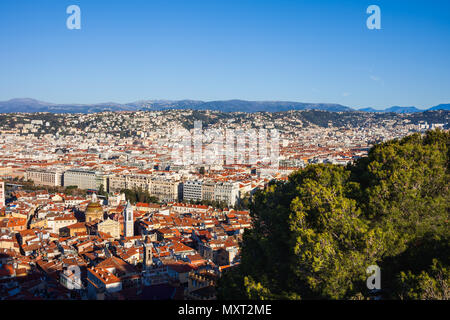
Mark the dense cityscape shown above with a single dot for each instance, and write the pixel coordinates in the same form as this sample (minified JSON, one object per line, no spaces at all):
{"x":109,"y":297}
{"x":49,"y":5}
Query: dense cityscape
{"x":217,"y":159}
{"x":93,"y":206}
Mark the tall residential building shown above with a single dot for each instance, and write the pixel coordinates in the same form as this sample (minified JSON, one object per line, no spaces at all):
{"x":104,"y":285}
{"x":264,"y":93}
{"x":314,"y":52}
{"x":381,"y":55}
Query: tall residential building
{"x":192,"y":190}
{"x":128,"y":221}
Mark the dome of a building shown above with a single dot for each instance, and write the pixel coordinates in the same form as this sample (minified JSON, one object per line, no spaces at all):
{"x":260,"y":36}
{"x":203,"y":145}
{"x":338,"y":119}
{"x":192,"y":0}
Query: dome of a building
{"x":94,"y":211}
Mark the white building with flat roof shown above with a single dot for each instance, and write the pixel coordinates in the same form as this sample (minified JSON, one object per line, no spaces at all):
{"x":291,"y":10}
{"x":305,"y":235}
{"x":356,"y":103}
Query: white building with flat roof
{"x":192,"y":190}
{"x":83,"y":179}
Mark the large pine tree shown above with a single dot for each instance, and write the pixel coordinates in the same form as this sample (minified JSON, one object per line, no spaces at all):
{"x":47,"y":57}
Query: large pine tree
{"x":314,"y":236}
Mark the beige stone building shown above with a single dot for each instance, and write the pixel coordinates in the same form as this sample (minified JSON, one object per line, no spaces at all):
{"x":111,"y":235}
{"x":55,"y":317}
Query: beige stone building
{"x":138,"y":182}
{"x":111,"y":227}
{"x":43,"y":177}
{"x":208,"y":190}
{"x":120,"y":182}
{"x":117,"y":183}
{"x":165,"y":190}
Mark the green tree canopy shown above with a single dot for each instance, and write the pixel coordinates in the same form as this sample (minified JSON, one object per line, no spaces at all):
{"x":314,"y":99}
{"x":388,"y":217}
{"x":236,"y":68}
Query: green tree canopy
{"x":314,"y":236}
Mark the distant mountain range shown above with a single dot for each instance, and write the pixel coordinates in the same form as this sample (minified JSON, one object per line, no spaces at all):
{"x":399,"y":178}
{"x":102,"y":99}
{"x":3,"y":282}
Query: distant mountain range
{"x":31,"y":106}
{"x":398,"y":109}
{"x":238,"y":105}
{"x":395,"y":109}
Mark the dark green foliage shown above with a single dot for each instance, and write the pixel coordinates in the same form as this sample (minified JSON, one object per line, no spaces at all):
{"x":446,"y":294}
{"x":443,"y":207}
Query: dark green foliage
{"x":139,"y":195}
{"x":314,"y":237}
{"x":215,"y":204}
{"x":102,"y":191}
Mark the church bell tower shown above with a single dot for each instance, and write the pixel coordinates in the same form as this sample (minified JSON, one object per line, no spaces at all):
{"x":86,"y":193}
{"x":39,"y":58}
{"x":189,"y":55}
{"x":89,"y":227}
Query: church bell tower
{"x":148,"y":255}
{"x":128,"y":221}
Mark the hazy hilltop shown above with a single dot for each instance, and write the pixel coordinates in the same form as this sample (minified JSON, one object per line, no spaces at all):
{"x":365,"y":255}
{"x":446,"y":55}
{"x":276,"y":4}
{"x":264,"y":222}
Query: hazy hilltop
{"x":32,"y":105}
{"x":398,"y":109}
{"x":441,"y":107}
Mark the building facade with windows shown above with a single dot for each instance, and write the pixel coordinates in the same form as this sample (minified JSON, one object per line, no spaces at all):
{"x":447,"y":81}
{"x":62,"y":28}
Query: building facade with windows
{"x":83,"y":179}
{"x":192,"y":190}
{"x":227,"y":192}
{"x":43,"y":177}
{"x":166,"y":190}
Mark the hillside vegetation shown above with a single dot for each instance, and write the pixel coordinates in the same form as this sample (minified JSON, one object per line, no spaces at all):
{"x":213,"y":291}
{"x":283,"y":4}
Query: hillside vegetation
{"x":314,"y":236}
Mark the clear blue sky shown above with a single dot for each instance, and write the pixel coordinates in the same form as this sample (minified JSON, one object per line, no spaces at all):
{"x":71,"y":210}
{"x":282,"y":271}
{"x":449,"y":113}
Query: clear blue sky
{"x":308,"y":51}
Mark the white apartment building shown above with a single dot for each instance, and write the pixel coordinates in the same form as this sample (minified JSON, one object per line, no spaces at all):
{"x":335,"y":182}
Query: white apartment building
{"x":192,"y":190}
{"x":227,"y":192}
{"x":83,"y":179}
